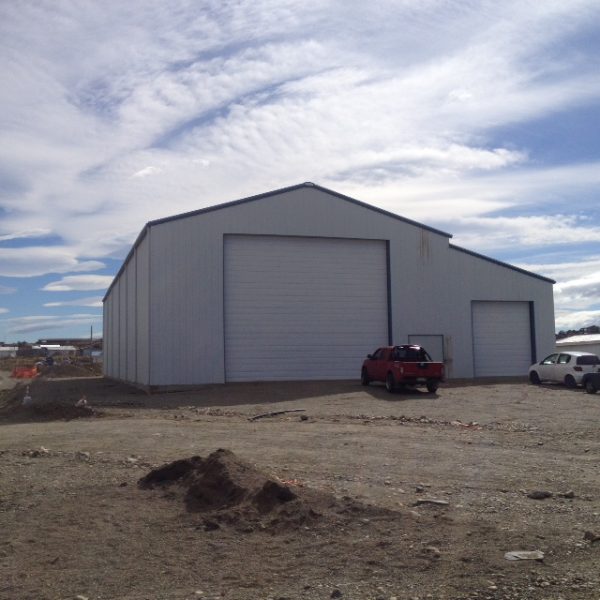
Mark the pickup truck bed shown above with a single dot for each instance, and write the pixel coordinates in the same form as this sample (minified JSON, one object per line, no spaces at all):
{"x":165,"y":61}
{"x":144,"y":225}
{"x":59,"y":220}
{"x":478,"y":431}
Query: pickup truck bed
{"x":399,"y":366}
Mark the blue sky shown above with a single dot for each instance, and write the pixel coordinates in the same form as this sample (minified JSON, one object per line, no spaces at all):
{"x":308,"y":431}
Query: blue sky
{"x":477,"y":118}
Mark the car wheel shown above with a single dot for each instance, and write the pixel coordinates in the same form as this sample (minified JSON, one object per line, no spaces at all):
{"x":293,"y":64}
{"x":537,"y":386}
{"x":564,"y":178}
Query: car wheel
{"x":364,"y":377}
{"x":432,"y":386}
{"x":590,"y":388}
{"x":390,"y":384}
{"x":570,"y":381}
{"x":534,"y":378}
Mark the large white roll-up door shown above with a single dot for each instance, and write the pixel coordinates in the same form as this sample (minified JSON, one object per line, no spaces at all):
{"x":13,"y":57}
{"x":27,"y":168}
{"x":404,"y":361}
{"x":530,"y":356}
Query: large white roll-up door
{"x":302,"y":308}
{"x":501,"y":338}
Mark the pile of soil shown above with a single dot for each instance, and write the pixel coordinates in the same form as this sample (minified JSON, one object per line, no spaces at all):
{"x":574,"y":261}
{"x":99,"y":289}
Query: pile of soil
{"x":227,"y":490}
{"x":12,"y":408}
{"x":71,"y":370}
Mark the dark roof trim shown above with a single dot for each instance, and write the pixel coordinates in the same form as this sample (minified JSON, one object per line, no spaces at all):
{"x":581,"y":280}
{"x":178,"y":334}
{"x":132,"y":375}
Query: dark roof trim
{"x":137,"y":242}
{"x":292,"y":188}
{"x":500,"y":263}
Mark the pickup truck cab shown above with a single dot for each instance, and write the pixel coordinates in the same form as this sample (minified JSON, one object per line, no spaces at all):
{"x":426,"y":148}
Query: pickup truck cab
{"x":402,"y":365}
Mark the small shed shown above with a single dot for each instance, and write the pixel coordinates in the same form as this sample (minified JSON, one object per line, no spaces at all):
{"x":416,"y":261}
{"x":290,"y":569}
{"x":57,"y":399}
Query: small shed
{"x":580,"y":343}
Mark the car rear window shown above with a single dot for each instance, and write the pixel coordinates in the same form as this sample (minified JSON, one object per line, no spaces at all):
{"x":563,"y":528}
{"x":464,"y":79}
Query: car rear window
{"x":588,"y":360}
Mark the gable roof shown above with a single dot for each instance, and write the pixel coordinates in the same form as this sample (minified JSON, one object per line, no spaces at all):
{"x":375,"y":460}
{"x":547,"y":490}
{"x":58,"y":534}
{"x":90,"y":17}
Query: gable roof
{"x":306,"y":184}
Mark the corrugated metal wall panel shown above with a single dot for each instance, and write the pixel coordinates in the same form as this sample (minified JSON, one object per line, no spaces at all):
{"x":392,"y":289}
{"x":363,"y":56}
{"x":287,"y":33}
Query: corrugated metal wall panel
{"x":142,"y":312}
{"x":106,"y":340}
{"x":302,"y":308}
{"x":122,"y":311}
{"x":115,"y":329}
{"x":131,"y":319}
{"x":187,"y":305}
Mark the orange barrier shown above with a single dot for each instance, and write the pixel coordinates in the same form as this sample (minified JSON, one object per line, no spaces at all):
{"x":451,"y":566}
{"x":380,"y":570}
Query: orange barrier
{"x":24,"y":372}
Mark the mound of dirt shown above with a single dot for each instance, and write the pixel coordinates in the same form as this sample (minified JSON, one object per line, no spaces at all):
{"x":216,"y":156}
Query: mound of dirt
{"x":12,"y":408}
{"x":71,"y":370}
{"x":50,"y":411}
{"x":230,"y":491}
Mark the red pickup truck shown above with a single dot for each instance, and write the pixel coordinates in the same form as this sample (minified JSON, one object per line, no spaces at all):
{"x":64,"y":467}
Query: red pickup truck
{"x":402,"y":365}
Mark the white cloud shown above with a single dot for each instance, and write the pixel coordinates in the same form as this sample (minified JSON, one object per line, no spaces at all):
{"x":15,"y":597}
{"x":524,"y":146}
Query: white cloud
{"x":72,"y":283}
{"x":161,"y":111}
{"x":4,"y":289}
{"x":4,"y":310}
{"x":40,"y":323}
{"x":546,"y":230}
{"x":32,"y":233}
{"x":567,"y":319}
{"x":146,"y":171}
{"x":39,"y":260}
{"x":93,"y":302}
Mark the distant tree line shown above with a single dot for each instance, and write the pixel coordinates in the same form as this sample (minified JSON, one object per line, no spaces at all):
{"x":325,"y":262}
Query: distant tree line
{"x":582,"y":331}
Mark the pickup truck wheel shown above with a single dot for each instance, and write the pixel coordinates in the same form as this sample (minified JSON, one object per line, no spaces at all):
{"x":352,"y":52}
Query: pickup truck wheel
{"x":570,"y":381}
{"x":364,"y":377}
{"x":432,"y":386}
{"x":534,"y":378}
{"x":590,"y":388}
{"x":390,"y":384}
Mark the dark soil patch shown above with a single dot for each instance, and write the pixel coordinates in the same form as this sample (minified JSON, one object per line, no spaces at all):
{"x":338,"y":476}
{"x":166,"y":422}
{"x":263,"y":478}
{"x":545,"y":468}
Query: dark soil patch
{"x":71,"y":370}
{"x":13,"y":410}
{"x":227,"y":490}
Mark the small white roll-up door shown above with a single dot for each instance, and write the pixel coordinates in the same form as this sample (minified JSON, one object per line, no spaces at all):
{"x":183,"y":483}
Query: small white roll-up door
{"x":302,"y":308}
{"x":501,"y":338}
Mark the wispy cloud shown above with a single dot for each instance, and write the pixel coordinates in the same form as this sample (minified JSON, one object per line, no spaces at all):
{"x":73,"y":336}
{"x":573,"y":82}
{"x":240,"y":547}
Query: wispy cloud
{"x":34,"y":323}
{"x":4,"y":289}
{"x":16,"y":235}
{"x":165,"y":108}
{"x":94,"y":302}
{"x":40,"y":260}
{"x":72,"y":283}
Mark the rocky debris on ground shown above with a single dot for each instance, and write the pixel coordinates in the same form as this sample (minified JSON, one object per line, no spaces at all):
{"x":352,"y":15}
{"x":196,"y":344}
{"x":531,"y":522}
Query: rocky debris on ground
{"x":228,"y":491}
{"x":37,"y":452}
{"x":524,"y":555}
{"x":539,"y":494}
{"x":430,"y":501}
{"x":569,"y":494}
{"x":591,"y":537}
{"x":424,"y":420}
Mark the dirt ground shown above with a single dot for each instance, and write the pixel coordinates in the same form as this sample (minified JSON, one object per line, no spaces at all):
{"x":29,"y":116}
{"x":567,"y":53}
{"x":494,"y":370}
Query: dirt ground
{"x":358,"y":494}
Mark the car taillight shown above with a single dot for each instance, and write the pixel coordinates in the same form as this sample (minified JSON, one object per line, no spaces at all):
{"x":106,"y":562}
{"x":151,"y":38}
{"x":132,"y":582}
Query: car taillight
{"x":577,"y":369}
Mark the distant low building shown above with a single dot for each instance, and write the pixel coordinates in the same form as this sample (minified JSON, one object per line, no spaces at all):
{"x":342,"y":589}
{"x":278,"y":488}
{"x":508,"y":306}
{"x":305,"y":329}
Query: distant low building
{"x":580,"y":343}
{"x":8,"y":351}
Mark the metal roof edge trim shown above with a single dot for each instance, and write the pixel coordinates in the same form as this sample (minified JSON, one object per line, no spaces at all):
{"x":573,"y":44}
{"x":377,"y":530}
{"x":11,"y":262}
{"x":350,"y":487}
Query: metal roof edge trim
{"x":500,"y":263}
{"x":137,"y":242}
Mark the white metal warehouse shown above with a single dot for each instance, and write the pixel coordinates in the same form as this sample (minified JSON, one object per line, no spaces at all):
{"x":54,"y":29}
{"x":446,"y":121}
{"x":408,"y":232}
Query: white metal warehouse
{"x":301,"y":283}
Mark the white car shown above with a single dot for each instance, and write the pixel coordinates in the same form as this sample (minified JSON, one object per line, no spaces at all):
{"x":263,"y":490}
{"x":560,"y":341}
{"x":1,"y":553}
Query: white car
{"x":564,"y":367}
